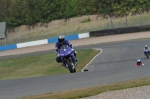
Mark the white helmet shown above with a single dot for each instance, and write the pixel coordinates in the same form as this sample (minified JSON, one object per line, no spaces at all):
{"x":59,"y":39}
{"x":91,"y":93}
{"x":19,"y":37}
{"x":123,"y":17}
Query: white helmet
{"x":146,"y":46}
{"x":138,"y":60}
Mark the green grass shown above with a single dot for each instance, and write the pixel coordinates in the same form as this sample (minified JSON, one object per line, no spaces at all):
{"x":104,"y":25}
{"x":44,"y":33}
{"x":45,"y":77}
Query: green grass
{"x":40,"y":65}
{"x":86,"y":20}
{"x":86,"y":92}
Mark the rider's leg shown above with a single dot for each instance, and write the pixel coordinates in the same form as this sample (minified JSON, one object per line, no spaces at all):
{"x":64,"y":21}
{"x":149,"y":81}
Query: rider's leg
{"x":140,"y":63}
{"x":144,"y":52}
{"x":58,"y":59}
{"x":62,"y":60}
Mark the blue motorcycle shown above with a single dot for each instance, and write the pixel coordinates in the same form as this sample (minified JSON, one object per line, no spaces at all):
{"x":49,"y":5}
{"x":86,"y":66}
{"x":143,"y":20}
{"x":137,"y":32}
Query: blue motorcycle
{"x":68,"y":58}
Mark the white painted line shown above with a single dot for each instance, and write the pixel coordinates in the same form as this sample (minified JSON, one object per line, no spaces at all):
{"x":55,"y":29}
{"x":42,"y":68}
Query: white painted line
{"x":92,"y":59}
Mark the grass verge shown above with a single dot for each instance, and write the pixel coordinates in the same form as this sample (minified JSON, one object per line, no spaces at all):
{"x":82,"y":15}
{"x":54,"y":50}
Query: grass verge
{"x":86,"y":92}
{"x":40,"y":65}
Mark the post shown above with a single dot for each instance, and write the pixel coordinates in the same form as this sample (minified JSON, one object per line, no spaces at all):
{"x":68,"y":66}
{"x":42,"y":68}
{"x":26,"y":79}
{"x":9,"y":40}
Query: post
{"x":141,"y":18}
{"x":111,"y":22}
{"x":110,"y":14}
{"x":5,"y":41}
{"x":26,"y":38}
{"x":107,"y":22}
{"x":126,"y":20}
{"x":41,"y":35}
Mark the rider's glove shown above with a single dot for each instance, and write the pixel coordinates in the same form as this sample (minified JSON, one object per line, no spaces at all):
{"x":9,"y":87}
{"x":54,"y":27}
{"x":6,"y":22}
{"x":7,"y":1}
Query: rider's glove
{"x":58,"y":55}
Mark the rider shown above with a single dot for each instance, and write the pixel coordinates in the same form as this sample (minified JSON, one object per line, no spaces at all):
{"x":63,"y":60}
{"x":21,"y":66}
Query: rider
{"x":138,"y":61}
{"x":62,"y":41}
{"x":146,"y":47}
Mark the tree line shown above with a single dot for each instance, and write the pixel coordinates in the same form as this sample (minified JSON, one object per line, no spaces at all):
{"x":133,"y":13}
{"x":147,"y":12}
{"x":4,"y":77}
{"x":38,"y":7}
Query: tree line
{"x":29,"y":12}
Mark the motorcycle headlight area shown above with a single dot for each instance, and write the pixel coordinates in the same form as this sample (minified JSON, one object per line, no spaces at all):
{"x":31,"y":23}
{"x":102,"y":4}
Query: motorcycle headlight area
{"x":62,"y":54}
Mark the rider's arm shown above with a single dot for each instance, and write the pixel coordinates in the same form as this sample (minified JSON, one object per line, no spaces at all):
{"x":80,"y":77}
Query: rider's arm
{"x":68,"y":43}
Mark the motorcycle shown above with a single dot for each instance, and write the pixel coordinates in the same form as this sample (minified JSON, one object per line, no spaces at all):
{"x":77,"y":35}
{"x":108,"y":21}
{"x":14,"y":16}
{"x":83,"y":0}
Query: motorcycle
{"x":147,"y":53}
{"x":139,"y":63}
{"x":65,"y":53}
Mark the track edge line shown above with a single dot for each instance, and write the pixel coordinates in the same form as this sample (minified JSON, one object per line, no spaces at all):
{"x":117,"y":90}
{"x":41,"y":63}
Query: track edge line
{"x":93,"y":58}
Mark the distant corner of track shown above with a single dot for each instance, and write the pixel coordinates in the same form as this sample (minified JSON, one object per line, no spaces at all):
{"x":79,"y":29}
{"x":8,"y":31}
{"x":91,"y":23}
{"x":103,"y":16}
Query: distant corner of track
{"x":93,"y":58}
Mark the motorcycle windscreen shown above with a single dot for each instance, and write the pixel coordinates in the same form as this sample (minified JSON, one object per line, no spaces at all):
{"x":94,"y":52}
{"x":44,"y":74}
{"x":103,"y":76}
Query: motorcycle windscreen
{"x":65,"y":50}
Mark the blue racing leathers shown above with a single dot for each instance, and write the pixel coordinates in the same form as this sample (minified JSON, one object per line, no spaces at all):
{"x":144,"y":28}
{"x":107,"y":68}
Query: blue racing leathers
{"x":148,"y":50}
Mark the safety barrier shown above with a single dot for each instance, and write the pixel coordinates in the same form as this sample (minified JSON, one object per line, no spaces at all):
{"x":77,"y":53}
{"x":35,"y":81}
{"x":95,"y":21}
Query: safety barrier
{"x":79,"y":36}
{"x":45,"y":41}
{"x":8,"y":47}
{"x":120,"y":30}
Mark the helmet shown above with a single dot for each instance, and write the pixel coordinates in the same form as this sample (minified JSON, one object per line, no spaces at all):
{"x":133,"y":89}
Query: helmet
{"x":146,"y":46}
{"x":61,"y":38}
{"x":138,"y":60}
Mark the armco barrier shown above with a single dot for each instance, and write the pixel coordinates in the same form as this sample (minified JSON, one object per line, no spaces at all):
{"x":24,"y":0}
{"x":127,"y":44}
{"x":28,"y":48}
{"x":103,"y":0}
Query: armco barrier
{"x":83,"y":35}
{"x":72,"y":37}
{"x":8,"y":47}
{"x":45,"y":41}
{"x":120,"y":30}
{"x":69,"y":37}
{"x":52,"y":40}
{"x":32,"y":43}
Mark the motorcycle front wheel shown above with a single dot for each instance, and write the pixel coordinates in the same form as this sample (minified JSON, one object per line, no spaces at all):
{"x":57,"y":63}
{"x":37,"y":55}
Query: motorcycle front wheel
{"x":70,"y":66}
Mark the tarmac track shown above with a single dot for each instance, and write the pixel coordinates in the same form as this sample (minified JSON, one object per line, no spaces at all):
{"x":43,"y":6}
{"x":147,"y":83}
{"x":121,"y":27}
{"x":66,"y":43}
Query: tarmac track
{"x":114,"y":64}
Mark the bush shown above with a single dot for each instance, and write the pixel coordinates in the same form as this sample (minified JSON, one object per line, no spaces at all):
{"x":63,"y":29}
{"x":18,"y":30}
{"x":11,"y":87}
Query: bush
{"x":86,"y":20}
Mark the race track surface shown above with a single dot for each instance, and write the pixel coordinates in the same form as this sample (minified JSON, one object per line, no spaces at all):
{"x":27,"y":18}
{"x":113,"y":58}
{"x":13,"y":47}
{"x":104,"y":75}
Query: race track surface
{"x":114,"y":64}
